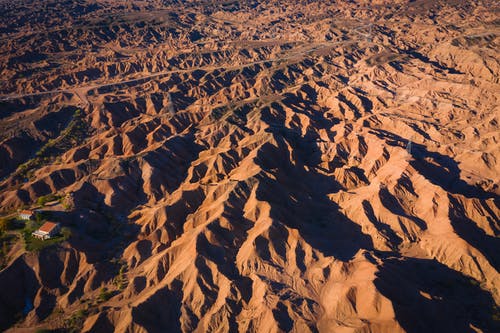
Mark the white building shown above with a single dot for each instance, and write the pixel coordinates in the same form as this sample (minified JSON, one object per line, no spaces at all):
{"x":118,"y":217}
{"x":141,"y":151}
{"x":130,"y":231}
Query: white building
{"x":26,"y":214}
{"x":47,"y":230}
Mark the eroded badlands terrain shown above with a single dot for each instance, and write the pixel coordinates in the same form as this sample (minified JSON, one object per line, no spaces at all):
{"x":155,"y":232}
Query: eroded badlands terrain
{"x":252,"y":166}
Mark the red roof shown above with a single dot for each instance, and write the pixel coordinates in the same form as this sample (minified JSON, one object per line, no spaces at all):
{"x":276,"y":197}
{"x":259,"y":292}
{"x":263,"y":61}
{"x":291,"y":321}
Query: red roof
{"x":48,"y":226}
{"x":26,"y":212}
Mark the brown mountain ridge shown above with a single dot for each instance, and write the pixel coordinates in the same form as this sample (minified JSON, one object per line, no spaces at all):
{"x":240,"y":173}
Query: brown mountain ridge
{"x":244,"y":166}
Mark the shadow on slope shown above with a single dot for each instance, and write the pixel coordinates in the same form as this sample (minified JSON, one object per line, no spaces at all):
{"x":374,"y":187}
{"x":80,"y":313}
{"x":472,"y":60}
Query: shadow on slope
{"x":298,"y":194}
{"x":156,"y":314}
{"x":439,"y":169}
{"x":467,"y":229}
{"x":429,"y":297}
{"x":20,"y":286}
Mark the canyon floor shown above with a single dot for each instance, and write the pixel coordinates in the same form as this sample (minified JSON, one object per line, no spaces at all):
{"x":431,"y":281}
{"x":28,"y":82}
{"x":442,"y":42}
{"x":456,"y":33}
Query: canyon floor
{"x":250,"y":166}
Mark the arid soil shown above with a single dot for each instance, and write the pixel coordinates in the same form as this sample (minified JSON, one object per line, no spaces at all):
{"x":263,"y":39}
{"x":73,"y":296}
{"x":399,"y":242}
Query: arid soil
{"x":253,"y":166}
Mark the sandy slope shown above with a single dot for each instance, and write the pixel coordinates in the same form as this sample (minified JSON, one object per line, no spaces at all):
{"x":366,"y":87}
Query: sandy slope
{"x":247,"y":166}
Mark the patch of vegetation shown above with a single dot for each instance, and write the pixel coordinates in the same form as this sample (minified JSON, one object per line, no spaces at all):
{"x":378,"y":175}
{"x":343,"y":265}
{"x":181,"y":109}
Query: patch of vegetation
{"x":66,"y":233}
{"x":91,"y":306}
{"x":73,"y":135}
{"x":7,"y":239}
{"x":74,"y":323}
{"x":33,"y":244}
{"x":7,"y":224}
{"x":41,"y":216}
{"x":120,"y":280}
{"x":474,"y":282}
{"x":219,"y":112}
{"x":104,"y":294}
{"x":67,"y":205}
{"x":496,"y":313}
{"x":48,"y":198}
{"x":6,"y":243}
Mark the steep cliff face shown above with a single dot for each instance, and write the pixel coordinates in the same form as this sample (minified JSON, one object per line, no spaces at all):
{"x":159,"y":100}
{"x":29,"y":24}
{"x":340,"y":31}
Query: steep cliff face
{"x":254,"y":166}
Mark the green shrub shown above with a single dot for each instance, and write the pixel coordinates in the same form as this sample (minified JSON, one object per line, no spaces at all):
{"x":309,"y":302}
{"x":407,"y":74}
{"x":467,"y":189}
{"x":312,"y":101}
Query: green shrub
{"x":67,"y":206}
{"x":47,"y":198}
{"x":104,"y":294}
{"x":6,"y":224}
{"x":66,"y":233}
{"x":80,"y":313}
{"x":120,"y":281}
{"x":75,"y":322}
{"x":31,"y":226}
{"x":72,"y":135}
{"x":39,"y":217}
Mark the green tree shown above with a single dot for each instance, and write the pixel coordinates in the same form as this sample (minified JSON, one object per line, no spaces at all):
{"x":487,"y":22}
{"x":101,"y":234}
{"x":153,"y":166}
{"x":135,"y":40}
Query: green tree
{"x":38,"y":217}
{"x":5,"y":225}
{"x":32,"y":225}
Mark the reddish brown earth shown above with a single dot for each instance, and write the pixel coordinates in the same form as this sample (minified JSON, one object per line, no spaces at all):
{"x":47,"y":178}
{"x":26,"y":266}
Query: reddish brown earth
{"x":245,"y":166}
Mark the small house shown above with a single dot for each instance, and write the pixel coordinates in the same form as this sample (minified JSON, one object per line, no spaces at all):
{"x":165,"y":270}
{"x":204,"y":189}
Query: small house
{"x":47,"y":230}
{"x":26,"y":214}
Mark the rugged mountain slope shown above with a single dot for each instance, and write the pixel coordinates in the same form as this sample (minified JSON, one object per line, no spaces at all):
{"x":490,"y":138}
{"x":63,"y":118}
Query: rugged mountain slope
{"x":254,"y":166}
